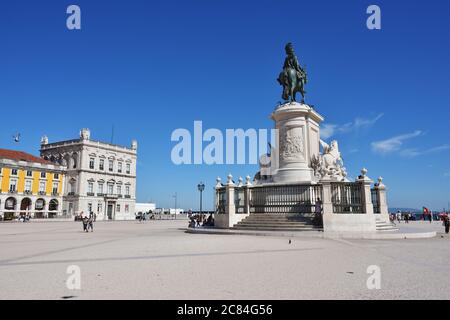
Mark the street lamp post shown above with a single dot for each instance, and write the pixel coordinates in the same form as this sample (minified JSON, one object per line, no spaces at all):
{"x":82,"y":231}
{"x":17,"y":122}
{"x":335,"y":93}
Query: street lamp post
{"x":175,"y":196}
{"x":201,"y":187}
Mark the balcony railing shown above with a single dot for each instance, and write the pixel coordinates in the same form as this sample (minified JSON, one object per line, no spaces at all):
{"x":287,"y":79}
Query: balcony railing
{"x":71,"y":193}
{"x":90,"y":194}
{"x":127,"y":196}
{"x":42,"y":193}
{"x":100,"y":194}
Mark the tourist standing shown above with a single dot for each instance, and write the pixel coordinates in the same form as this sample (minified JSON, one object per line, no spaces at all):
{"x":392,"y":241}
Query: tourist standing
{"x":318,"y":212}
{"x":446,"y":223}
{"x":407,"y":217}
{"x":399,"y":216}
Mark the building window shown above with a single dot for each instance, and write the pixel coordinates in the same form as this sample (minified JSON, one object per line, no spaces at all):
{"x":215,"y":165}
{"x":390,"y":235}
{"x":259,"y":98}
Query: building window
{"x":55,"y":188}
{"x":99,"y":208}
{"x":90,"y":187}
{"x":42,"y":186}
{"x":119,"y":167}
{"x":102,"y":165}
{"x":110,"y":188}
{"x":27,"y":186}
{"x":100,"y":188}
{"x":29,"y":173}
{"x":111,"y":165}
{"x":127,"y":208}
{"x":72,"y":187}
{"x":89,"y":207}
{"x":128,"y":168}
{"x":56,"y":176}
{"x":127,"y":190}
{"x":43,"y":174}
{"x":14,"y":172}
{"x":91,"y":163}
{"x":119,"y":189}
{"x":118,"y":208}
{"x":12,"y":185}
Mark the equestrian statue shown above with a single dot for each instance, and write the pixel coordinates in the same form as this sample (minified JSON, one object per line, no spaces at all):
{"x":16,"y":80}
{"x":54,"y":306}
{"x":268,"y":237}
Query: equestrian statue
{"x":293,"y":77}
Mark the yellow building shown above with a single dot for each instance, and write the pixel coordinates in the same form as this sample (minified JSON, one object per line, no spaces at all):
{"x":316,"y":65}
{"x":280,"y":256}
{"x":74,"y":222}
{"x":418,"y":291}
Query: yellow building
{"x":29,"y":185}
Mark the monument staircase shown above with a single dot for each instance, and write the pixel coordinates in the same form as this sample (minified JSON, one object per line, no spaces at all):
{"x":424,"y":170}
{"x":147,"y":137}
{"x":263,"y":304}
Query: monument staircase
{"x":277,"y":222}
{"x":382,"y":225}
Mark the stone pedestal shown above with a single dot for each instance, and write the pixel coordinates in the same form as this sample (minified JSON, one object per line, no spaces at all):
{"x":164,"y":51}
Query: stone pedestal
{"x":298,"y":140}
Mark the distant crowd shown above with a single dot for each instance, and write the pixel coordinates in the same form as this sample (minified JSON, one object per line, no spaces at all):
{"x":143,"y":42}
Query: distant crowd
{"x":426,"y":216}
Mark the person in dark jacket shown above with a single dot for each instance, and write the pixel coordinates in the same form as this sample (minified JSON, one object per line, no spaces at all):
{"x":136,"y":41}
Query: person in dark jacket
{"x":446,"y":223}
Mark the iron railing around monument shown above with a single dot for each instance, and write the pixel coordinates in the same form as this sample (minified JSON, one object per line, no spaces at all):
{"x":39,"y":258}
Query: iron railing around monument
{"x":222,"y":200}
{"x":375,"y":200}
{"x":284,"y":199}
{"x":239,"y":200}
{"x":347,"y":197}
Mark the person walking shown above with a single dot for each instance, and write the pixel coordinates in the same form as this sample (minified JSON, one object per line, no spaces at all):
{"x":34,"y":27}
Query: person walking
{"x":446,"y":223}
{"x":90,"y":222}
{"x":399,"y":216}
{"x":407,"y":217}
{"x":318,"y":219}
{"x":84,"y":220}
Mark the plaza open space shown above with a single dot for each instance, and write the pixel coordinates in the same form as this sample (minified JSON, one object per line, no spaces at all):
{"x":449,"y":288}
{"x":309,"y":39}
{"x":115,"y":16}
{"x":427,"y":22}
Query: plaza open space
{"x":159,"y":260}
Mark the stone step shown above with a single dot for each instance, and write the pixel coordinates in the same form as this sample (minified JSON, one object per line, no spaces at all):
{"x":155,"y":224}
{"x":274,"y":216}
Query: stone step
{"x":385,"y":226}
{"x":278,"y":218}
{"x":294,"y":225}
{"x":274,"y":228}
{"x":277,"y":221}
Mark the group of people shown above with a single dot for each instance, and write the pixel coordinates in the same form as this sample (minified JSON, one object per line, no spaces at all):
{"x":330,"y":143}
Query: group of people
{"x":24,"y":218}
{"x":399,"y":216}
{"x":201,"y":220}
{"x":88,"y":221}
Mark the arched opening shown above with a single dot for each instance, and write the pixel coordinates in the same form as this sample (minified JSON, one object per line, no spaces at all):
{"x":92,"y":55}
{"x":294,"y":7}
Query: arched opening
{"x":52,"y":208}
{"x":53,"y":205}
{"x":25,"y":206}
{"x":10,"y":204}
{"x":39,"y":206}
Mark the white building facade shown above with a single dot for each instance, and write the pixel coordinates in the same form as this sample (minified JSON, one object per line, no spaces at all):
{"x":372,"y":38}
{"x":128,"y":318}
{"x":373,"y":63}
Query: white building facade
{"x":100,"y":177}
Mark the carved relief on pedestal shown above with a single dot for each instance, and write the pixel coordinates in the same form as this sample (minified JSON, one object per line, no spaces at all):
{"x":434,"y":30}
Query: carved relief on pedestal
{"x":292,"y":144}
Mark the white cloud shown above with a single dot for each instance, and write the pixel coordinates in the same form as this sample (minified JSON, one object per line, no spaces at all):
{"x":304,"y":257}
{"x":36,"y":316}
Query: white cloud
{"x":416,"y":152}
{"x":394,"y":143}
{"x":329,"y":129}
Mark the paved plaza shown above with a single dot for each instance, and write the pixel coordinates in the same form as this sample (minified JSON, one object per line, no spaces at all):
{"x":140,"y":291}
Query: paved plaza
{"x":158,"y":260}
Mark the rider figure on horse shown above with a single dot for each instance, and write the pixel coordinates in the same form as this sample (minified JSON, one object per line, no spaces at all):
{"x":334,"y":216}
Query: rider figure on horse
{"x":293,"y":77}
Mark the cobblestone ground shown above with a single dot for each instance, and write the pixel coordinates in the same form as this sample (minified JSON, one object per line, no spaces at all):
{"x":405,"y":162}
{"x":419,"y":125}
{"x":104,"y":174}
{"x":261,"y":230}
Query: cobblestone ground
{"x":157,"y":260}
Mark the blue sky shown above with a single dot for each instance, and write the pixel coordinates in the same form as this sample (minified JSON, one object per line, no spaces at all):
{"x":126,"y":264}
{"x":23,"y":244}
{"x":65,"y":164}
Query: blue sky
{"x":150,"y":67}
